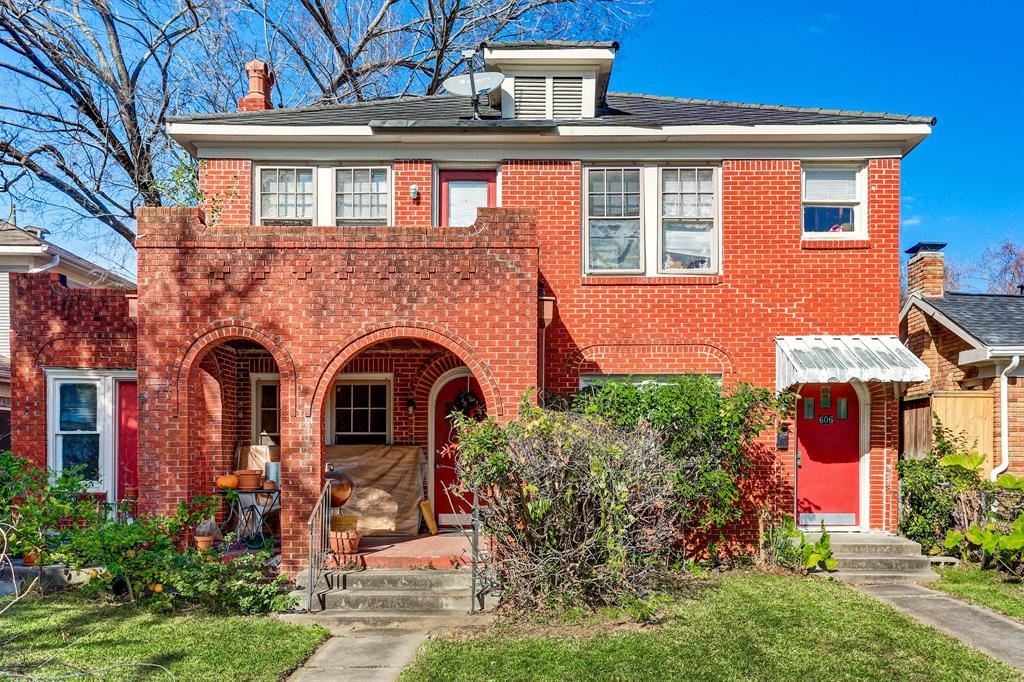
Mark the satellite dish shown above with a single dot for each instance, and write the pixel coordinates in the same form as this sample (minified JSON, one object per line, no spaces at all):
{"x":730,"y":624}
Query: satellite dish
{"x":464,"y":84}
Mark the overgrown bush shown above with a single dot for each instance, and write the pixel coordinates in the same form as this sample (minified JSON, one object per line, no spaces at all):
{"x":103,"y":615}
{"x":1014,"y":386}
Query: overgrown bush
{"x":942,"y":491}
{"x":580,"y":510}
{"x":706,"y":431}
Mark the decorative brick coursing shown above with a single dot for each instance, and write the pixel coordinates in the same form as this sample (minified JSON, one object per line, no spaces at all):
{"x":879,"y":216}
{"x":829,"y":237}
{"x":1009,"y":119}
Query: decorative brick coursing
{"x":56,"y":326}
{"x":279,"y":287}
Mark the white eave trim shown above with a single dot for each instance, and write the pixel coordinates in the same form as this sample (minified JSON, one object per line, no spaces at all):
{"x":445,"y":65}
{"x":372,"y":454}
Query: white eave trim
{"x":988,"y":354}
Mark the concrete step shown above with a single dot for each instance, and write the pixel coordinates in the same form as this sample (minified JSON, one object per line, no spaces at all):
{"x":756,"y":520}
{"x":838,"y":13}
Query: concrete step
{"x":871,"y":577}
{"x":869,"y":544}
{"x":891,"y":563}
{"x":341,"y":622}
{"x":391,"y":579}
{"x":399,"y":600}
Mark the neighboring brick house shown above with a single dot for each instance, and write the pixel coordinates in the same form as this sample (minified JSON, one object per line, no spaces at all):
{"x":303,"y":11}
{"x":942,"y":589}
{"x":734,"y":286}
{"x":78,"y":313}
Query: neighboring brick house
{"x":360,"y":269}
{"x":973,"y":344}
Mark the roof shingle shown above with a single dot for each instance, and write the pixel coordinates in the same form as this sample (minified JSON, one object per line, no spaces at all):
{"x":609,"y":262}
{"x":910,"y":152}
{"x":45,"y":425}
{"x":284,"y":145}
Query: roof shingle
{"x":994,"y":319}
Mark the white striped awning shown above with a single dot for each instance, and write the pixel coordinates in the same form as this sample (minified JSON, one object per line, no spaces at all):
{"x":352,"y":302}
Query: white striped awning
{"x":839,"y":359}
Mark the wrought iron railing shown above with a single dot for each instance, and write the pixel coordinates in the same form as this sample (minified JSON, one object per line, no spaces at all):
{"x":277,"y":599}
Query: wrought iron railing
{"x":319,"y":543}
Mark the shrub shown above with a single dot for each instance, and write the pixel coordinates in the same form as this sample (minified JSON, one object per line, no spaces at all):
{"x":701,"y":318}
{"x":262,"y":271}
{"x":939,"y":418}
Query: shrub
{"x":706,"y":431}
{"x":246,"y":584}
{"x":580,"y":510}
{"x":943,"y":491}
{"x":780,"y":542}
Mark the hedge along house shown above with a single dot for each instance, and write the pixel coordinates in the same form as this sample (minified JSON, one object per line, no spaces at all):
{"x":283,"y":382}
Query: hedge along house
{"x":361,"y":269}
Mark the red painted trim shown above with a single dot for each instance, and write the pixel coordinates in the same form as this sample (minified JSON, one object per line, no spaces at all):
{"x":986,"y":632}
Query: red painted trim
{"x":446,"y":176}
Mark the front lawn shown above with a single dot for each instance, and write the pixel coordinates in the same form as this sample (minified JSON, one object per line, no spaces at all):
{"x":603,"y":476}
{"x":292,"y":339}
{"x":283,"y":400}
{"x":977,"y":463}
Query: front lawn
{"x":758,"y":627}
{"x":985,"y":588}
{"x":64,"y":635}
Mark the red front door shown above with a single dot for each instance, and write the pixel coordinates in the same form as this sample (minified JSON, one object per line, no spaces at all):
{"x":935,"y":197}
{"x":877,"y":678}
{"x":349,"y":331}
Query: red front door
{"x":127,"y":437}
{"x":463,"y":192}
{"x":451,"y":509}
{"x":828,"y":437}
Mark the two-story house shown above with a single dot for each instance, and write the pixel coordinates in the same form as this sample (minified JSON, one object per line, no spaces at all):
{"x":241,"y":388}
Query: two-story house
{"x":361,"y":269}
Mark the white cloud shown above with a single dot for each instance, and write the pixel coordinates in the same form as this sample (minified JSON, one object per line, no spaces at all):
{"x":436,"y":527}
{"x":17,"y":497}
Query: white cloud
{"x":912,"y":220}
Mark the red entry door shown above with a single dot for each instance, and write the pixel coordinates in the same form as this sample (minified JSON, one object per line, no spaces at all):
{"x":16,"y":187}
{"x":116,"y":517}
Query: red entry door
{"x":127,"y":436}
{"x":828,"y":437}
{"x":463,"y":192}
{"x":450,"y":508}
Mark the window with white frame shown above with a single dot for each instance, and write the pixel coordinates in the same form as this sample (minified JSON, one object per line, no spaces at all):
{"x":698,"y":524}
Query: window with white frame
{"x":361,"y":410}
{"x":834,"y":201}
{"x":266,"y":409}
{"x":613,"y":220}
{"x":689,"y":239}
{"x":361,"y":196}
{"x":286,"y":195}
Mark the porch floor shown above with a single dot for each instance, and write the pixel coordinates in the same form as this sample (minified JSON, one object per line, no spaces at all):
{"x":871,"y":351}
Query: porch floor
{"x":442,"y":551}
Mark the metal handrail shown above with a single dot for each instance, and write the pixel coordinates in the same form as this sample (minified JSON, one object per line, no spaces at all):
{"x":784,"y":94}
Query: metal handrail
{"x":319,"y":541}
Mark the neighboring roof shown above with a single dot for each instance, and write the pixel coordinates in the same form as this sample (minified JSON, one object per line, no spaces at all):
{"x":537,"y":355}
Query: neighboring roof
{"x":549,"y":44}
{"x":12,"y":235}
{"x":839,"y":359}
{"x":622,"y":109}
{"x":993,"y":319}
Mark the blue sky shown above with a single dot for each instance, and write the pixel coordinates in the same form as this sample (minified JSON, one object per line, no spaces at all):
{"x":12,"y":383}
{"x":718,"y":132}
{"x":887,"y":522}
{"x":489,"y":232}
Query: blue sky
{"x":960,"y":62}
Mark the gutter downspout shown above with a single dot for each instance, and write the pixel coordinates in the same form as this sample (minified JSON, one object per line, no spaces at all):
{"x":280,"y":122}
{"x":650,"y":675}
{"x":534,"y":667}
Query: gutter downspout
{"x":1004,"y":418}
{"x":54,"y":262}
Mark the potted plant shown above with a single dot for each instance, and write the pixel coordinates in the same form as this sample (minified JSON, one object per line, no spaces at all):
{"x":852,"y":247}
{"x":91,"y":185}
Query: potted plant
{"x":206,"y":533}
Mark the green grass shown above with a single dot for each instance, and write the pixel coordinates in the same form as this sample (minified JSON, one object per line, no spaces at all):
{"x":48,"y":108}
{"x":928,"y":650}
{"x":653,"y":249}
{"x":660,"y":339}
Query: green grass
{"x":64,"y":634}
{"x":747,"y":627}
{"x":985,"y":588}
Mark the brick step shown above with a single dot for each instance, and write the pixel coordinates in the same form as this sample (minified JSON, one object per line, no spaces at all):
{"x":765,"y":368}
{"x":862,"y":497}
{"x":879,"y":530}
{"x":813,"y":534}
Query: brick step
{"x":890,"y":563}
{"x":341,"y":622}
{"x":869,"y":577}
{"x":399,"y":600}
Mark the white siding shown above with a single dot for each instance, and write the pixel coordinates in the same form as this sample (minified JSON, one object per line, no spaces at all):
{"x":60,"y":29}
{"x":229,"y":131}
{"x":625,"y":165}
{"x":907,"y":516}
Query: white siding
{"x":5,"y":315}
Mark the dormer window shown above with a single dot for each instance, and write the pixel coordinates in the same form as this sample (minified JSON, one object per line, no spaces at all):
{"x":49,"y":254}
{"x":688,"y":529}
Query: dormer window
{"x":548,"y":97}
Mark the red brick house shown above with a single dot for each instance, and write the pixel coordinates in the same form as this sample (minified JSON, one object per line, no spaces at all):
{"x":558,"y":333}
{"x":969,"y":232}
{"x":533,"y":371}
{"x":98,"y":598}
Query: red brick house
{"x":360,"y":268}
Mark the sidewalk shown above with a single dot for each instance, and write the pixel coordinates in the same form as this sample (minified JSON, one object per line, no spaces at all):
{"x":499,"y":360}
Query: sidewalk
{"x":361,"y":656}
{"x":998,"y":636}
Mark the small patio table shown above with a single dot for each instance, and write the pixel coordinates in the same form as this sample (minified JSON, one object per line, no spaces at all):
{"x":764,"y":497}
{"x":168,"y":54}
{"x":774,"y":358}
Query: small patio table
{"x":249,"y":509}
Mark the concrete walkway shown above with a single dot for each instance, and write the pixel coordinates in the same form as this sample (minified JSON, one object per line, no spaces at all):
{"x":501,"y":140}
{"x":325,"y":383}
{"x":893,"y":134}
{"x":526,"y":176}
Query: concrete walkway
{"x":998,"y":636}
{"x":361,"y":656}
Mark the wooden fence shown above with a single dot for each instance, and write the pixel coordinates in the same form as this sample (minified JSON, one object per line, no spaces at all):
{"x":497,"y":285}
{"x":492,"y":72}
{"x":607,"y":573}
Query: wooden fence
{"x":966,"y":412}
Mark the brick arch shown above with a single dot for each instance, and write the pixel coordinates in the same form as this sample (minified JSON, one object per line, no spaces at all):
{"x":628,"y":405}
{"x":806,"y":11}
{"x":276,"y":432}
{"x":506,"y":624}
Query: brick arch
{"x":665,"y":357}
{"x":77,"y":344}
{"x":362,"y":340}
{"x":431,"y":372}
{"x":222,"y":332}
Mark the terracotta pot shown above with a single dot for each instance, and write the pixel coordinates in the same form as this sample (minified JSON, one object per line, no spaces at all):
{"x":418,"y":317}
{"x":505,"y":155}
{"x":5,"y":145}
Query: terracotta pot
{"x":249,"y":478}
{"x":227,"y":482}
{"x":29,"y":559}
{"x":269,"y":485}
{"x":204,"y":542}
{"x":131,"y":493}
{"x":345,"y":541}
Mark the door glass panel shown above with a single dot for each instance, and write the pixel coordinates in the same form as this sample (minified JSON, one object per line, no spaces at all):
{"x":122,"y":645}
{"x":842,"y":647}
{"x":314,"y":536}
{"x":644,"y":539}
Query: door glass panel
{"x":808,"y":408}
{"x":464,"y":198}
{"x":826,"y":397}
{"x":842,"y":411}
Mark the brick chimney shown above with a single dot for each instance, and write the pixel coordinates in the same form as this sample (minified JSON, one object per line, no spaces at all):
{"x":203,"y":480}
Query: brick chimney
{"x":926,"y":271}
{"x":261,"y":80}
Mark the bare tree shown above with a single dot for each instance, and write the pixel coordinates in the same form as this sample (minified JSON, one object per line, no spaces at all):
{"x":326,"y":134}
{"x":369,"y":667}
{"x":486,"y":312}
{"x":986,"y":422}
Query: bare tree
{"x":1002,"y":267}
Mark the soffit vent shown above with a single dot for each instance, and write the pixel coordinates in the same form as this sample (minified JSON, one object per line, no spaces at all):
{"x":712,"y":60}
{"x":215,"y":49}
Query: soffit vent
{"x":567,"y":97}
{"x":531,"y":96}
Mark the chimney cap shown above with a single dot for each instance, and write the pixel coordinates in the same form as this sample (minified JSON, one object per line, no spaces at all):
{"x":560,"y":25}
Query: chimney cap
{"x":925,"y":247}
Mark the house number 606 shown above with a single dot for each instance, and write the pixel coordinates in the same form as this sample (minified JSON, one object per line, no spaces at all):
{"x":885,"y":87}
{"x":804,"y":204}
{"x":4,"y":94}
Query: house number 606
{"x":825,"y":419}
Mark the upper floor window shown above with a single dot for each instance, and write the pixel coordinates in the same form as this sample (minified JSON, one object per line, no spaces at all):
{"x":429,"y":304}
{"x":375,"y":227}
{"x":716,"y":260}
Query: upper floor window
{"x":834,"y":201}
{"x":286,"y":196}
{"x":361,"y":196}
{"x":625,"y":205}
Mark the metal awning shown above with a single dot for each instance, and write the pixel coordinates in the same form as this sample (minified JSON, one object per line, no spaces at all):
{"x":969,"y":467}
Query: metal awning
{"x":839,"y":359}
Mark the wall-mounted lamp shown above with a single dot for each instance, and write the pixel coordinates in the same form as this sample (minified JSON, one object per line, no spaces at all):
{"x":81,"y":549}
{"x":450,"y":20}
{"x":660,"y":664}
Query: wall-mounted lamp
{"x":410,"y":405}
{"x":414,"y":192}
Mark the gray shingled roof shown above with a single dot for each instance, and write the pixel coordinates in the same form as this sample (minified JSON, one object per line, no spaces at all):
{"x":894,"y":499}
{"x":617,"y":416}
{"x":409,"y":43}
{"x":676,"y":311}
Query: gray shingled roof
{"x":622,"y":109}
{"x":994,"y":319}
{"x":12,"y":235}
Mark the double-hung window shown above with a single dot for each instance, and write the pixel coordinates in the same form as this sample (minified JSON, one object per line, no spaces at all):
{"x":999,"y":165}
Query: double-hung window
{"x":362,"y":410}
{"x":78,"y":429}
{"x":613,"y":220}
{"x":689,"y":240}
{"x":361,"y":196}
{"x":266,"y":409}
{"x":285,"y":195}
{"x":834,"y":202}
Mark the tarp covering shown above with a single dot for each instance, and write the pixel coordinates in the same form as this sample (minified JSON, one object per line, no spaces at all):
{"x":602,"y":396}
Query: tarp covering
{"x":839,"y":359}
{"x":389,"y":486}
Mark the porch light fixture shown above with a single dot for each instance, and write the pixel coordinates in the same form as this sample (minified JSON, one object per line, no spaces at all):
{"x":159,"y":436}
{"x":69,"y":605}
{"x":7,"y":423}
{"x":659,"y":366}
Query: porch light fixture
{"x":410,"y":405}
{"x":414,"y":192}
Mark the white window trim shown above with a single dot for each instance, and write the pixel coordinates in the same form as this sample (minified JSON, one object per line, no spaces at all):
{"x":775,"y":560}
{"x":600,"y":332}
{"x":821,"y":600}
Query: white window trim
{"x":256,"y":380}
{"x":256,"y":177}
{"x":860,"y":206}
{"x":435,"y":183}
{"x":332,"y":183}
{"x":585,"y":201}
{"x":387,"y":379}
{"x":106,"y":420}
{"x":716,"y":222}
